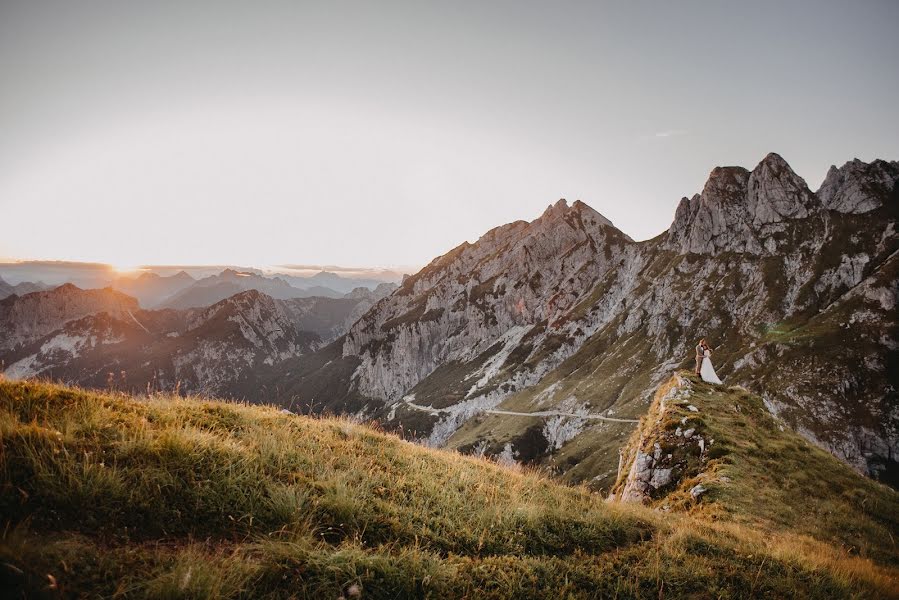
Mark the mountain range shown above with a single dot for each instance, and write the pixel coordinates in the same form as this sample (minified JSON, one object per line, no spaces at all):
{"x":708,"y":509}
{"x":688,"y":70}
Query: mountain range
{"x":102,"y":338}
{"x":543,"y":342}
{"x":209,"y":290}
{"x":190,"y":286}
{"x":20,"y":289}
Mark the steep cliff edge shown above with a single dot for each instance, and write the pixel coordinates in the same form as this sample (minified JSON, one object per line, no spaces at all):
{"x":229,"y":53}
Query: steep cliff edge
{"x":717,"y":451}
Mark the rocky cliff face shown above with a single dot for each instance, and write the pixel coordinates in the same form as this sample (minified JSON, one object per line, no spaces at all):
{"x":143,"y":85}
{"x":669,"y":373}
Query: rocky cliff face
{"x":26,"y":318}
{"x":671,"y":446}
{"x":483,"y":295}
{"x":858,"y":187}
{"x":569,"y":326}
{"x":742,"y":211}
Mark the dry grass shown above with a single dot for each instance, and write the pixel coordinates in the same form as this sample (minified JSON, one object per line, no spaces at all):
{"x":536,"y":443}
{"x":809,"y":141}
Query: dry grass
{"x":163,"y":497}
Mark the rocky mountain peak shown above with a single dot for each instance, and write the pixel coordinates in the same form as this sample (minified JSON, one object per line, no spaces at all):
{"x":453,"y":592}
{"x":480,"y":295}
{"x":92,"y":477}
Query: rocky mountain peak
{"x":739,"y":209}
{"x":469,"y":299}
{"x":26,"y":318}
{"x":246,"y":302}
{"x":776,"y":193}
{"x":562,"y":211}
{"x":858,"y":187}
{"x":555,"y":210}
{"x":262,"y":321}
{"x":66,"y":288}
{"x":725,"y":183}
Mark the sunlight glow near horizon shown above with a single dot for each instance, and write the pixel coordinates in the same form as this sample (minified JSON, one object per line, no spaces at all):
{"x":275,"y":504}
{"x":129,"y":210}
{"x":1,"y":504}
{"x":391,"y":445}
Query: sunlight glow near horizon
{"x":379,"y":135}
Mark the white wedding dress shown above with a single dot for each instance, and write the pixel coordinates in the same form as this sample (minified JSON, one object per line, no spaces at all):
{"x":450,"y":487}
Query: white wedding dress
{"x":707,"y":372}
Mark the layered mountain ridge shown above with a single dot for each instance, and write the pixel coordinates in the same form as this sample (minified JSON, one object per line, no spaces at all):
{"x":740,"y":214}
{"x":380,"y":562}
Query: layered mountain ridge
{"x":567,"y":315}
{"x":542,"y":342}
{"x":103,"y":339}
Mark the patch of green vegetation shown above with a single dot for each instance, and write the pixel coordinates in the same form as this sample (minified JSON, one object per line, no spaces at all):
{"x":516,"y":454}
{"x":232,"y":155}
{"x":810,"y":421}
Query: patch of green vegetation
{"x":165,"y":497}
{"x":478,"y":294}
{"x":413,"y":315}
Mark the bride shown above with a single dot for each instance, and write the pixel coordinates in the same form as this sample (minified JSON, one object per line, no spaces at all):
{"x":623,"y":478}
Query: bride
{"x":707,"y":372}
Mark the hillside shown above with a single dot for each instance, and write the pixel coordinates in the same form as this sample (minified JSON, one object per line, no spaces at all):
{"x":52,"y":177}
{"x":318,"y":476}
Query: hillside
{"x":108,"y":495}
{"x":566,"y":315}
{"x":722,"y":445}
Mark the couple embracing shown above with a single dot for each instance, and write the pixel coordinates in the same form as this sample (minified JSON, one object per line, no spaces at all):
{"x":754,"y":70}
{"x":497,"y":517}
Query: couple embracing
{"x":704,"y":366}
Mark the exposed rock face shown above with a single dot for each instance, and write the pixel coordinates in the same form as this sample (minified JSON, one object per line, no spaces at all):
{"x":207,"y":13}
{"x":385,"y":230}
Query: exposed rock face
{"x":658,"y":458}
{"x":29,"y":317}
{"x":859,"y":187}
{"x":739,"y":210}
{"x":261,"y":324}
{"x":514,"y":277}
{"x":796,"y":297}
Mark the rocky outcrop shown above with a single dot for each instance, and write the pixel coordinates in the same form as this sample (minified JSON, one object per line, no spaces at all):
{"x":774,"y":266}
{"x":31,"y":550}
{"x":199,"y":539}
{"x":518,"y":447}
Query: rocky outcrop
{"x":859,"y":187}
{"x":658,"y":458}
{"x":738,"y":210}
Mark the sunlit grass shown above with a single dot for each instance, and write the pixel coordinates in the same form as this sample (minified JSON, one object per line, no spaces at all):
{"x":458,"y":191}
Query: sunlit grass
{"x":163,"y":497}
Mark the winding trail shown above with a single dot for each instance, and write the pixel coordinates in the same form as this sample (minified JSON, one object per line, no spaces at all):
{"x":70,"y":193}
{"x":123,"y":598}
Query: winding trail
{"x":539,"y":413}
{"x":141,"y":325}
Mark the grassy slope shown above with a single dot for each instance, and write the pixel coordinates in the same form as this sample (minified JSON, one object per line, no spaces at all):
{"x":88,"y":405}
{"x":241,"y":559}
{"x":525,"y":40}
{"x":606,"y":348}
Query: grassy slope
{"x":762,"y":475}
{"x":168,"y":497}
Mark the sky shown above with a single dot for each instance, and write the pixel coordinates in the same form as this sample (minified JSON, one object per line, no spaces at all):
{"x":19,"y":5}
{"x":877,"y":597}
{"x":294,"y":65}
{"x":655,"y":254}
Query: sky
{"x":386,"y":133}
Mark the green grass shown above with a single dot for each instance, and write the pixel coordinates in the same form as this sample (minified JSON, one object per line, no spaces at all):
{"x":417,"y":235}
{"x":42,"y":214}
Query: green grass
{"x":166,"y":497}
{"x":763,"y":476}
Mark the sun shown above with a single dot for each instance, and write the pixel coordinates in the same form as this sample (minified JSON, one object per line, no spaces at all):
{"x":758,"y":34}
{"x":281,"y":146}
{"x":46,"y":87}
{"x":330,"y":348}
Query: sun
{"x":124,"y":269}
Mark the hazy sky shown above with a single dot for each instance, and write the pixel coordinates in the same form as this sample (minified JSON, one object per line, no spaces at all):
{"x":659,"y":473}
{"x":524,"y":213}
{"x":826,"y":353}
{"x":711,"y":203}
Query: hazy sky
{"x":383,"y":133}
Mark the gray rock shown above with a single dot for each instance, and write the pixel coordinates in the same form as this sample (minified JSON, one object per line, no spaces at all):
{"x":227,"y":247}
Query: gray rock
{"x":697,"y":490}
{"x":858,"y":187}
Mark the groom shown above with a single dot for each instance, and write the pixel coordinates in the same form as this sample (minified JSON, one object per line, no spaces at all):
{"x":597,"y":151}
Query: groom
{"x":700,"y":350}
